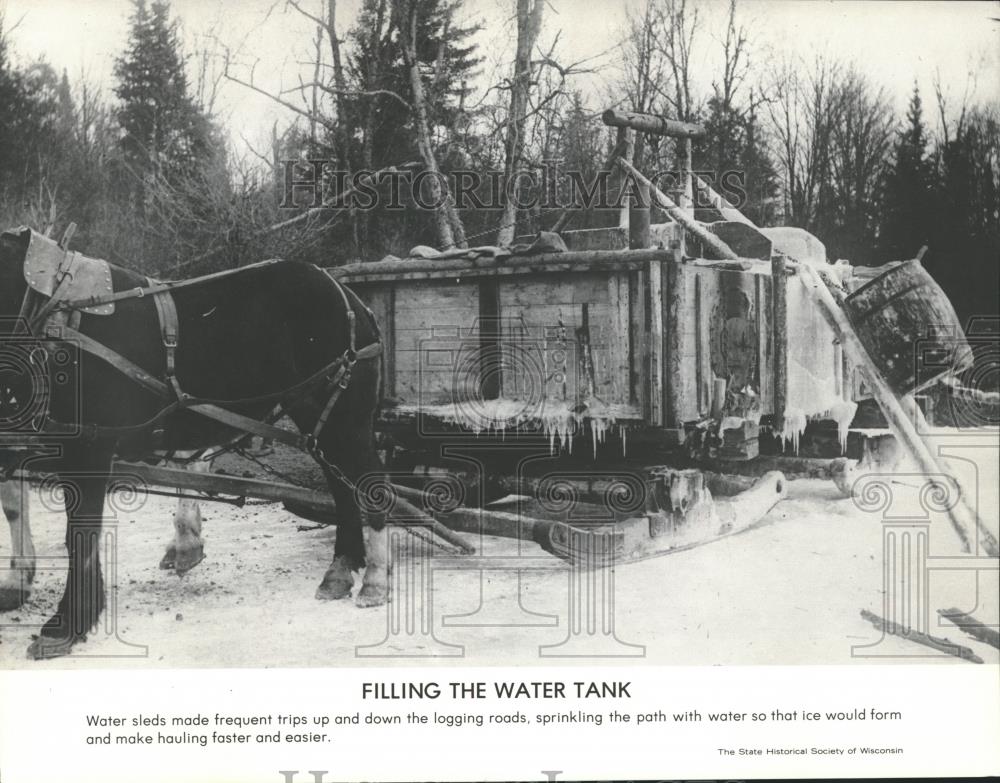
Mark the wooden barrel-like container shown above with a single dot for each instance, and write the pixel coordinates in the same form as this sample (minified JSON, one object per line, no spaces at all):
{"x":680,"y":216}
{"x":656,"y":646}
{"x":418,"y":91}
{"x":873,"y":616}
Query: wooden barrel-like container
{"x":908,"y":326}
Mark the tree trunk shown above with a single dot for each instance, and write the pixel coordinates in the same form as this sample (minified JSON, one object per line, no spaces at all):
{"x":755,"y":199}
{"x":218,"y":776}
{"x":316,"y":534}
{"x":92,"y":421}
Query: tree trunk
{"x":529,"y":23}
{"x":343,"y":120}
{"x":450,"y":230}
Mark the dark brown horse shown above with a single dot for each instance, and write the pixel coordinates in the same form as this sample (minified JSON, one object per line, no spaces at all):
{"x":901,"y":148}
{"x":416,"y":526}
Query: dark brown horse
{"x":245,"y":342}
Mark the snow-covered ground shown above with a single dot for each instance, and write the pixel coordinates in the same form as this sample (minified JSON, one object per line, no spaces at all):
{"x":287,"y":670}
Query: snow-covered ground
{"x":788,"y":591}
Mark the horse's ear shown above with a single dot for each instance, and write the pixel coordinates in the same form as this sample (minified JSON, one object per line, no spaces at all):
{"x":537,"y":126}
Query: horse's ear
{"x":15,"y":240}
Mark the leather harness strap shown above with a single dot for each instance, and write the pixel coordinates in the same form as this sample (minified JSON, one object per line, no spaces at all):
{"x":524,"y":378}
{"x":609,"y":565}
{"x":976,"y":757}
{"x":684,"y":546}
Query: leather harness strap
{"x":157,"y":287}
{"x":337,"y":374}
{"x":115,"y":359}
{"x":166,"y":312}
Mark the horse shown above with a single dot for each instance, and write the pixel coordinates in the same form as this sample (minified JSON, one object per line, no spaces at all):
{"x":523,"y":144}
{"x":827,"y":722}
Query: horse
{"x":185,"y":366}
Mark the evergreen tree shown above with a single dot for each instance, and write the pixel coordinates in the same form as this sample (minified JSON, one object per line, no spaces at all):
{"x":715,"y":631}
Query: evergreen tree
{"x":385,"y":124}
{"x":734,"y":156}
{"x":907,"y":190}
{"x":165,"y":133}
{"x":964,"y":234}
{"x":447,"y":58}
{"x":20,"y":126}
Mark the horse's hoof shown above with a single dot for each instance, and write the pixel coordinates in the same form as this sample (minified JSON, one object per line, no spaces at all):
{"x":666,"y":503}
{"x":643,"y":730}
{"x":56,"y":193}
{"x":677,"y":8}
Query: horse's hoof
{"x":372,"y":595}
{"x":843,"y":472}
{"x":12,"y":597}
{"x":186,"y":559}
{"x":334,"y":590}
{"x":169,"y":558}
{"x":46,"y":647}
{"x":337,"y":581}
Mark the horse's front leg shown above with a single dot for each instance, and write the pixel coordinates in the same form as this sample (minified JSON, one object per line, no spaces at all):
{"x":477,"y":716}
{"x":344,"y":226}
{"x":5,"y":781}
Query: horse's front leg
{"x":83,"y":599}
{"x":14,"y":497}
{"x":357,"y":546}
{"x":348,"y":547}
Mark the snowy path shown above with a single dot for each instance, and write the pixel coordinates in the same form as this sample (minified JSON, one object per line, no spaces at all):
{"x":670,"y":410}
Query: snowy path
{"x":788,"y":591}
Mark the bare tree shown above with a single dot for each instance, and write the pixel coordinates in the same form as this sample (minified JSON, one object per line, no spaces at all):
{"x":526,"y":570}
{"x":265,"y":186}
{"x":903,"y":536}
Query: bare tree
{"x":529,"y":23}
{"x":861,"y":143}
{"x":804,"y":109}
{"x":644,"y":68}
{"x":451,"y":233}
{"x":679,"y":26}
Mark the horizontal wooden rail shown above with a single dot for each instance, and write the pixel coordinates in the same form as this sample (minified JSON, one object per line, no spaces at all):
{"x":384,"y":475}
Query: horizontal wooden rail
{"x":653,"y":123}
{"x":429,"y":268}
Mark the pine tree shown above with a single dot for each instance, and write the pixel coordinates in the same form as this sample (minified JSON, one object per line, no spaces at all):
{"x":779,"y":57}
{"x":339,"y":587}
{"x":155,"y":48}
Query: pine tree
{"x":166,"y":133}
{"x":19,"y":131}
{"x":447,"y":59}
{"x":907,"y":189}
{"x":734,"y":155}
{"x":964,"y":234}
{"x":387,"y":125}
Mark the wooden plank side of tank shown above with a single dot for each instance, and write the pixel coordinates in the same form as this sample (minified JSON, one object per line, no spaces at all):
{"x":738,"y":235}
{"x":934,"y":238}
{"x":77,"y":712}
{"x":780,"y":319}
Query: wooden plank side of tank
{"x":436,"y":334}
{"x":765,"y":340}
{"x":686,"y":384}
{"x":542,"y":316}
{"x":731,"y":337}
{"x":638,"y":365}
{"x":618,"y":337}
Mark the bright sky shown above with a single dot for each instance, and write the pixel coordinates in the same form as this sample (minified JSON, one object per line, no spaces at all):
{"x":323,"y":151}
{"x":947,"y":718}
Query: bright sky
{"x":893,"y":42}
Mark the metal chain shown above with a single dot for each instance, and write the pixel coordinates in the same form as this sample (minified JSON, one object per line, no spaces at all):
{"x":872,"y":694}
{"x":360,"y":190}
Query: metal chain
{"x":421,"y":534}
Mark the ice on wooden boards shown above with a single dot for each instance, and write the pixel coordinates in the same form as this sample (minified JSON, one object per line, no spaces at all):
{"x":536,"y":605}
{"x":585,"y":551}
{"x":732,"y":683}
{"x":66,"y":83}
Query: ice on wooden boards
{"x":814,"y":377}
{"x":560,"y":420}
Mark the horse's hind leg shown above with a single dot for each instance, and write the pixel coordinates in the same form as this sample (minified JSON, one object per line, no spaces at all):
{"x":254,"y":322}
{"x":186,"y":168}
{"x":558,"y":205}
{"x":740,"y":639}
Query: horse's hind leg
{"x":14,"y":498}
{"x":187,"y":548}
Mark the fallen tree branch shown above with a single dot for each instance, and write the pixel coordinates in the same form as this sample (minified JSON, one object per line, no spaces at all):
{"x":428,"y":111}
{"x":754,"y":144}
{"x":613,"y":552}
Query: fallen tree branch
{"x":972,"y":626}
{"x":934,"y":642}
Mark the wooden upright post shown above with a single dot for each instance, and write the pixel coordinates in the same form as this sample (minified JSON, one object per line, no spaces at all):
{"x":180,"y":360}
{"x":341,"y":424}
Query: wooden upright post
{"x":638,"y":219}
{"x":673,"y":321}
{"x":688,"y":175}
{"x":626,"y":149}
{"x":679,"y":215}
{"x":779,"y":338}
